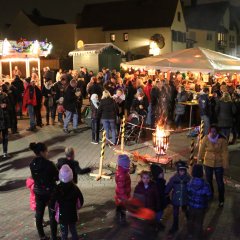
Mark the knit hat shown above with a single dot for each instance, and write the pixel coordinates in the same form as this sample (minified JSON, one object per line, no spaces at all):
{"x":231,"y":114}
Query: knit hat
{"x":123,"y":161}
{"x":197,"y":171}
{"x":181,"y":165}
{"x":65,"y":174}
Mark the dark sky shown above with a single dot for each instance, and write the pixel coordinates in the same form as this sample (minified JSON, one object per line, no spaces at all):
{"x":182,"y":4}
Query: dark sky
{"x":61,"y":9}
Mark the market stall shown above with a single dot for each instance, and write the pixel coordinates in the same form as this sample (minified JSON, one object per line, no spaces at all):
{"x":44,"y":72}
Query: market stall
{"x":193,"y":59}
{"x":22,"y":53}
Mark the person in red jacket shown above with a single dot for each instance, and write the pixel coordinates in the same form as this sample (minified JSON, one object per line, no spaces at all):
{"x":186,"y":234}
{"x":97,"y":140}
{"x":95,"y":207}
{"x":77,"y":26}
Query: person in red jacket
{"x":123,"y":187}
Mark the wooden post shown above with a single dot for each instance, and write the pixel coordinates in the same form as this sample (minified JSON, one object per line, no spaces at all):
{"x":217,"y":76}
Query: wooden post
{"x":123,"y":133}
{"x":10,"y":69}
{"x":100,"y":172}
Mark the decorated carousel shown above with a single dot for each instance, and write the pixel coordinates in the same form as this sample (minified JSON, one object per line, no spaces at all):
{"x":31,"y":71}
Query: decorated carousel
{"x":22,"y":58}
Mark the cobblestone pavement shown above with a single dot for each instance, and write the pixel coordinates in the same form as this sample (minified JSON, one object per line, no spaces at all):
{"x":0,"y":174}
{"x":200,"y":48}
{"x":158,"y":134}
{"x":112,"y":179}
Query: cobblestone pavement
{"x":96,"y":217}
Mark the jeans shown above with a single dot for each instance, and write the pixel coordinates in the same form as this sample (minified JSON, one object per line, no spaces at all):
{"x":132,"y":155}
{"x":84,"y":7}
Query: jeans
{"x":49,"y":112}
{"x":69,"y":116}
{"x":178,"y":119}
{"x":95,"y":129}
{"x":5,"y":140}
{"x":60,"y":117}
{"x":109,"y":124}
{"x":176,"y":215}
{"x":149,"y":115}
{"x":206,"y":121}
{"x":41,"y":202}
{"x":218,"y":171}
{"x":30,"y":109}
{"x":72,"y":228}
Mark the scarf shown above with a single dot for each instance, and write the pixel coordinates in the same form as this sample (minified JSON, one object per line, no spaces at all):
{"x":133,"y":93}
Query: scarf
{"x":95,"y":101}
{"x":213,"y":140}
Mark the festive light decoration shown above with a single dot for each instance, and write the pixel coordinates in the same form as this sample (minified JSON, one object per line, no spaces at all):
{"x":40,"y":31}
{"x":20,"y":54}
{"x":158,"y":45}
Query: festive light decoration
{"x":27,"y":48}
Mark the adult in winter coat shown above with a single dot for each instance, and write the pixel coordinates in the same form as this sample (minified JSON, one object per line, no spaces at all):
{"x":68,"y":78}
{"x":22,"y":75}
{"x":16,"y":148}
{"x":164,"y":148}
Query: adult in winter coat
{"x":140,"y":103}
{"x":123,"y":186}
{"x":47,"y":92}
{"x":45,"y":175}
{"x":107,"y":112}
{"x":18,"y":84}
{"x":95,"y":88}
{"x":70,"y":104}
{"x":204,"y":108}
{"x":199,"y":193}
{"x":146,"y":191}
{"x":147,"y":90}
{"x":72,"y":163}
{"x":180,"y":108}
{"x":225,"y":110}
{"x":4,"y":120}
{"x":236,"y":127}
{"x":29,"y":102}
{"x":95,"y":121}
{"x":177,"y":186}
{"x":38,"y":107}
{"x":214,"y":153}
{"x":68,"y":199}
{"x":130,"y":93}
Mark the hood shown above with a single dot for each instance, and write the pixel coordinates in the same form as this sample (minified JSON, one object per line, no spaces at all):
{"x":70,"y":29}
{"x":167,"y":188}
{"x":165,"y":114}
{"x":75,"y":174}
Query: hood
{"x":197,"y":183}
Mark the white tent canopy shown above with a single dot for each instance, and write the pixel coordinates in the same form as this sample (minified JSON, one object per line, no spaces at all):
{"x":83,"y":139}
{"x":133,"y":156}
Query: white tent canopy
{"x":192,"y":59}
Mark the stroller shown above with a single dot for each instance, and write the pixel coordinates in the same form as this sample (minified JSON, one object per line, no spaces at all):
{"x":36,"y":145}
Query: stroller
{"x":133,"y":128}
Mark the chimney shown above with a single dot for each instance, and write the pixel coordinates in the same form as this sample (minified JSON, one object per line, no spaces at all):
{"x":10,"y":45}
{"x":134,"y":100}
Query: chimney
{"x":193,"y":3}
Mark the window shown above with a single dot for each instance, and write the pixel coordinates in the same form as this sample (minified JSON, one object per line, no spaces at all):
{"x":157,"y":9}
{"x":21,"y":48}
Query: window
{"x":112,"y":37}
{"x":125,"y":37}
{"x":178,"y":36}
{"x":221,"y":37}
{"x":179,"y":16}
{"x":174,"y":36}
{"x":209,"y":36}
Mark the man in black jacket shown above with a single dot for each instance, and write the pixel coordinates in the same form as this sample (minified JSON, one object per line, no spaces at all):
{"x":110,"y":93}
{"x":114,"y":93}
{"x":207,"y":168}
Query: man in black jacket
{"x":18,"y":84}
{"x":70,"y":104}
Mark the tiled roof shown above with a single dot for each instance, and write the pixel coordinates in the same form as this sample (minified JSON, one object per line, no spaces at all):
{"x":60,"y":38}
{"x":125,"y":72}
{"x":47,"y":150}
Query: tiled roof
{"x":205,"y":16}
{"x":128,"y":14}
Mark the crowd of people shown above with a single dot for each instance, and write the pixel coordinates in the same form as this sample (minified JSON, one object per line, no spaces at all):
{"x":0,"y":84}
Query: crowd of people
{"x":113,"y":95}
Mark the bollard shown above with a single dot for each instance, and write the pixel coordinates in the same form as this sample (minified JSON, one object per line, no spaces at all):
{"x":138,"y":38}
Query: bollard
{"x":100,"y":173}
{"x":191,"y":158}
{"x":123,"y":133}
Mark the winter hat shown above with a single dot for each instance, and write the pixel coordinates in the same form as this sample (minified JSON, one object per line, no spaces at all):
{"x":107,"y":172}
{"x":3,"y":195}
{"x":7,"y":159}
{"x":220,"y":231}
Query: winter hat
{"x":181,"y":165}
{"x":156,"y":170}
{"x":123,"y":161}
{"x":65,"y":174}
{"x":140,"y":91}
{"x":197,"y":171}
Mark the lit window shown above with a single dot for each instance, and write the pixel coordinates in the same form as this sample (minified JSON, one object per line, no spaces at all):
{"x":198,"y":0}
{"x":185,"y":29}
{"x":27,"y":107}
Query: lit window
{"x":112,"y":37}
{"x":179,"y":16}
{"x":125,"y":37}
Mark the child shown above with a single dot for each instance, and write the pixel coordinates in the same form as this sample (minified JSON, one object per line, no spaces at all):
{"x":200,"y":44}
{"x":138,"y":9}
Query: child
{"x":123,"y":187}
{"x":158,"y":178}
{"x":199,"y":193}
{"x":72,"y":163}
{"x":32,"y":197}
{"x":146,"y":191}
{"x":68,"y":199}
{"x":60,"y":109}
{"x":177,"y":186}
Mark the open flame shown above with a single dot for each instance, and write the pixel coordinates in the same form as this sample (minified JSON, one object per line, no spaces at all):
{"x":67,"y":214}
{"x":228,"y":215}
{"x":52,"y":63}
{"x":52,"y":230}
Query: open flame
{"x":160,"y":140}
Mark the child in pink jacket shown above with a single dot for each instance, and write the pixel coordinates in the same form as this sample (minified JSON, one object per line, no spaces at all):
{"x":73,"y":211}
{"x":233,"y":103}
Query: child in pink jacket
{"x":30,"y":185}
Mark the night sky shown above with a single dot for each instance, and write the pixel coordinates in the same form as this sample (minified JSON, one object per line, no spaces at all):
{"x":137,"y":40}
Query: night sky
{"x":60,"y":9}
